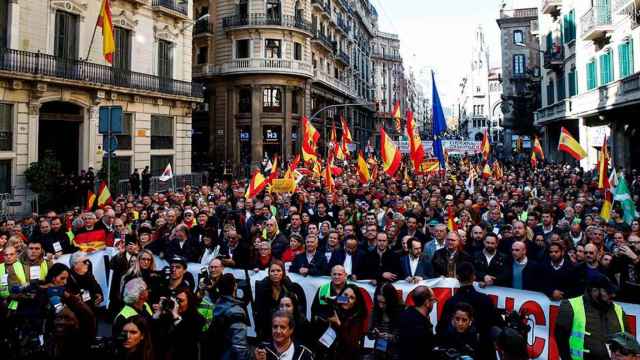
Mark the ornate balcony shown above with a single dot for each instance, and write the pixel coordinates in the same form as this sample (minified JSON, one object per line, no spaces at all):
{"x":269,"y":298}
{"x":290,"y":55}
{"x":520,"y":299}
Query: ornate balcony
{"x":343,"y":26}
{"x":255,"y":66}
{"x":554,"y":112}
{"x":596,"y":23}
{"x":551,"y":7}
{"x":554,"y":58}
{"x":172,"y":7}
{"x":203,"y":27}
{"x":386,"y":56}
{"x":55,"y":69}
{"x":332,"y":82}
{"x":342,"y":57}
{"x":324,"y":41}
{"x":262,"y":20}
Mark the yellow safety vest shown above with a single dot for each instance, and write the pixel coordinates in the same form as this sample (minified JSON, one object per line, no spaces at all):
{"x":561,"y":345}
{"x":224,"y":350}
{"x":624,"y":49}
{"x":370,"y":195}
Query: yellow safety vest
{"x":579,"y":326}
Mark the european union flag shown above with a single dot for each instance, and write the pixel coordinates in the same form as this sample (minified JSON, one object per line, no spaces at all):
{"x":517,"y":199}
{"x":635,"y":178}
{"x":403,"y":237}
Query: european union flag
{"x":439,"y":123}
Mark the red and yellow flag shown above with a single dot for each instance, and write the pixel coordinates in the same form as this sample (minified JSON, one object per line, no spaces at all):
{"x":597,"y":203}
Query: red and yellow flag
{"x":451,"y":219}
{"x":256,"y":185}
{"x":430,"y":166}
{"x":105,"y":22}
{"x":485,"y":148}
{"x":570,"y":145}
{"x":346,"y":133}
{"x":534,"y":160}
{"x":310,"y":138}
{"x":274,"y":170}
{"x":339,"y":150}
{"x":333,"y":138}
{"x":91,"y":199}
{"x":416,"y":150}
{"x":363,"y":169}
{"x":497,"y":170}
{"x":292,"y":167}
{"x":397,"y":116}
{"x":537,"y":148}
{"x":603,"y":165}
{"x":390,"y":154}
{"x":486,"y":171}
{"x":328,"y":176}
{"x":104,"y":195}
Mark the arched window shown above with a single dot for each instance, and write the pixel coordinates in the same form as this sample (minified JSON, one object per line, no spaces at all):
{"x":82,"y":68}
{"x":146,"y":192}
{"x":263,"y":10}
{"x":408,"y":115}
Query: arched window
{"x":518,"y":37}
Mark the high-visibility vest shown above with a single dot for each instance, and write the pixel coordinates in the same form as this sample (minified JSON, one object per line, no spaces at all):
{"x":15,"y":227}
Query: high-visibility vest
{"x":128,"y":311}
{"x":22,"y":279}
{"x":205,"y":308}
{"x":578,"y":328}
{"x":44,"y":270}
{"x":324,"y":292}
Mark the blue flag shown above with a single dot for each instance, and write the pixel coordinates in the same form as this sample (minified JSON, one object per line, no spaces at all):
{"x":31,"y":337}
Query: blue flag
{"x":439,"y":124}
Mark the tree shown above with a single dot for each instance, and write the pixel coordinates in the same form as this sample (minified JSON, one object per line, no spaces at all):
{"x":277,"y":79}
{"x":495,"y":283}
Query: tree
{"x":44,"y":178}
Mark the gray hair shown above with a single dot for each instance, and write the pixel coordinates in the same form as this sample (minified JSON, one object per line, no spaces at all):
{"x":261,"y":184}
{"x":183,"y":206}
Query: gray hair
{"x":76,"y":257}
{"x":132,"y":291}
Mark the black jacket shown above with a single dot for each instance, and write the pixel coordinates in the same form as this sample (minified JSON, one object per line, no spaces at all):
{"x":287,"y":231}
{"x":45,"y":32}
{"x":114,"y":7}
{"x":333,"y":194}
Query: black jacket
{"x":338,"y":257}
{"x":317,"y":267}
{"x":423,"y":270}
{"x":496,"y":268}
{"x":416,"y":339}
{"x":563,"y":279}
{"x":265,"y":305}
{"x":531,"y":279}
{"x":300,"y":352}
{"x":440,"y":261}
{"x":190,"y":250}
{"x":374,"y":265}
{"x":240,"y":255}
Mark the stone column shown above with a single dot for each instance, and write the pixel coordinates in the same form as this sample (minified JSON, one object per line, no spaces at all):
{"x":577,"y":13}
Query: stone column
{"x":14,"y":24}
{"x":256,"y":125}
{"x":286,"y":128}
{"x":34,"y":117}
{"x":94,"y":138}
{"x":619,"y":145}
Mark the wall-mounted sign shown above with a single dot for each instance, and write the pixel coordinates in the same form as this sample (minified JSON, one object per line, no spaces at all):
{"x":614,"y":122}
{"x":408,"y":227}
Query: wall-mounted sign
{"x":244,"y":135}
{"x":271,"y":134}
{"x":220,"y":132}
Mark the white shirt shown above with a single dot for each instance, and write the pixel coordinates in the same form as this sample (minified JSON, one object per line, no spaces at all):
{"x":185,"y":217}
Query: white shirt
{"x":288,"y":354}
{"x":558,"y":266}
{"x":439,"y":246}
{"x":347,"y":264}
{"x":413,"y":264}
{"x":488,"y":256}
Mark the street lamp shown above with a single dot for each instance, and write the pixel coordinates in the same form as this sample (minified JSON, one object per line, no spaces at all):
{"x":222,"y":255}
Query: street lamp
{"x":529,"y":47}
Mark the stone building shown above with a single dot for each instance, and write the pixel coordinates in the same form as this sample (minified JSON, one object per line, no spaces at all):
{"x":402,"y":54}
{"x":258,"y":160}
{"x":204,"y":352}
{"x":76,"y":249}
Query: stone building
{"x":268,"y":63}
{"x":590,"y":81}
{"x":53,"y":86}
{"x":388,"y":77}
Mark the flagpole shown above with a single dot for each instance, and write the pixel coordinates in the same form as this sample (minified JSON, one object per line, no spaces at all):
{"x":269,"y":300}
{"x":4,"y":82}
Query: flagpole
{"x":94,"y":31}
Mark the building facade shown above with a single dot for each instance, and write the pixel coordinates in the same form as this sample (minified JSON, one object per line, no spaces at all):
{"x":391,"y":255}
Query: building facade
{"x":54,"y":86}
{"x":590,"y":81}
{"x":520,"y":72}
{"x":269,"y":63}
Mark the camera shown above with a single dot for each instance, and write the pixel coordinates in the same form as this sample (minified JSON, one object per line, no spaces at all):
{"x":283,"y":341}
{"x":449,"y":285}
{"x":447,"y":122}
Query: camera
{"x":107,"y":347}
{"x":335,"y":300}
{"x":450,"y":354}
{"x":517,"y":321}
{"x":167,"y":305}
{"x":204,"y":281}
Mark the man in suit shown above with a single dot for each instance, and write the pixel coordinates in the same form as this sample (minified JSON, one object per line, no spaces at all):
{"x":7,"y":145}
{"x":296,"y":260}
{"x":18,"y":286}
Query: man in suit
{"x":415,"y":265}
{"x":522,"y":273}
{"x":559,"y":274}
{"x":233,"y":253}
{"x":350,"y":257}
{"x":446,"y":260}
{"x":490,"y":264}
{"x":440,"y":233}
{"x":311,"y":262}
{"x":412,"y":230}
{"x":381,"y":264}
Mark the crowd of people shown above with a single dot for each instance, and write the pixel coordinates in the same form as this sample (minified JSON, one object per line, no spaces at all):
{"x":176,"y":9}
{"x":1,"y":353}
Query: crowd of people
{"x":539,"y":230}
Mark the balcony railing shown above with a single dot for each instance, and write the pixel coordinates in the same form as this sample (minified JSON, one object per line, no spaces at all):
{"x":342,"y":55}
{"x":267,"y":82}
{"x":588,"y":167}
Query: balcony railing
{"x":324,"y":40}
{"x":257,"y":65}
{"x":519,"y":13}
{"x":630,"y":84}
{"x":174,"y":5}
{"x":332,"y":82}
{"x":342,"y":24}
{"x":342,"y":56}
{"x":31,"y":63}
{"x":258,"y":19}
{"x":554,"y":57}
{"x":622,"y":7}
{"x":595,"y":22}
{"x":386,"y":56}
{"x":557,"y":111}
{"x":203,"y":27}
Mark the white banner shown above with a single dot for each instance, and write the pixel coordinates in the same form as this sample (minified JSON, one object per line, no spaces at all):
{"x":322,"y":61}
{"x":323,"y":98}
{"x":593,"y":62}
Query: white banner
{"x":458,"y":147}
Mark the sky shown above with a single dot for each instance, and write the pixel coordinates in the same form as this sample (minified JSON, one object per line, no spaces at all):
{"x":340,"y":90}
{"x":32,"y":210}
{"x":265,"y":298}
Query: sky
{"x":439,"y":35}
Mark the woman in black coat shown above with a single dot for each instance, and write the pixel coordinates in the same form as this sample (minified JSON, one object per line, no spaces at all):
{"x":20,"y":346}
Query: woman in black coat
{"x":269,"y":292}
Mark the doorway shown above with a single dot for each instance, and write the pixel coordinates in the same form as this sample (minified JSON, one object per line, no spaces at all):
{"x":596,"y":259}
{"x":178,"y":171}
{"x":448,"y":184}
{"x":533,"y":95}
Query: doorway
{"x":59,"y":134}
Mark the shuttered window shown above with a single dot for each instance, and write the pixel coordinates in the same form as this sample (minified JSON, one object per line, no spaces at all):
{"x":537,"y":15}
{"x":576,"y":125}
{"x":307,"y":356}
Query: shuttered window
{"x":161,"y":132}
{"x":606,"y":68}
{"x":66,"y":36}
{"x":625,"y":58}
{"x":122,"y":57}
{"x":550,"y":92}
{"x":569,"y":26}
{"x":561,"y":87}
{"x":592,"y":79}
{"x":6,"y":127}
{"x":573,"y":82}
{"x":165,"y":59}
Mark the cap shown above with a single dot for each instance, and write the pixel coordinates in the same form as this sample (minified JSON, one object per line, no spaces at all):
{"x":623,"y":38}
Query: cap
{"x":625,"y":341}
{"x":600,"y":281}
{"x":449,"y":197}
{"x":188,"y":211}
{"x":178,"y":260}
{"x":433,"y":222}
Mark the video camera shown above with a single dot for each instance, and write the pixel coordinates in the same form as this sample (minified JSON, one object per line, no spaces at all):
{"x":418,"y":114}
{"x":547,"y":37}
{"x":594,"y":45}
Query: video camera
{"x":335,"y":301}
{"x":450,"y":354}
{"x":517,"y":321}
{"x":104,"y":348}
{"x":204,"y":280}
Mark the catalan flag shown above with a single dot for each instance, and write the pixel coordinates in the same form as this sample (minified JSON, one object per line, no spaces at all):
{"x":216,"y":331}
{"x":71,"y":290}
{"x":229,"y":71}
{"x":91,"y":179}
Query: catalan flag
{"x":363,"y":169}
{"x":256,"y":185}
{"x":105,"y":22}
{"x":310,"y":138}
{"x":104,"y":195}
{"x":537,"y":148}
{"x":397,"y":116}
{"x":91,"y":199}
{"x":570,"y":145}
{"x":485,"y":148}
{"x":390,"y":154}
{"x":416,"y":150}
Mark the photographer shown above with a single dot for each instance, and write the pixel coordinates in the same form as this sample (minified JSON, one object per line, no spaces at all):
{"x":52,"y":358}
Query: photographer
{"x":178,"y":325}
{"x":282,"y":346}
{"x":174,"y":277}
{"x":137,"y":344}
{"x":460,"y":335}
{"x":135,"y":303}
{"x":227,"y":337}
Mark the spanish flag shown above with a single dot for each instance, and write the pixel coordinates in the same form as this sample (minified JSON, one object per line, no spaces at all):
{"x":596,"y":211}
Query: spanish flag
{"x":603,"y":166}
{"x":328,"y":176}
{"x":292,"y":167}
{"x":390,"y":154}
{"x":346,"y":133}
{"x":397,"y":116}
{"x":105,"y":22}
{"x":451,"y":219}
{"x":430,"y":166}
{"x":485,"y":148}
{"x":91,"y":199}
{"x":310,"y":138}
{"x":570,"y":145}
{"x":415,"y":144}
{"x":333,"y":136}
{"x":534,"y":160}
{"x":486,"y":171}
{"x":537,"y":148}
{"x":104,"y":195}
{"x":256,"y":185}
{"x":274,"y":170}
{"x":363,"y":169}
{"x":339,"y":150}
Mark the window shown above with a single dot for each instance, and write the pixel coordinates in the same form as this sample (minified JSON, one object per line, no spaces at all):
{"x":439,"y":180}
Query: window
{"x":66,"y":37}
{"x":4,"y":24}
{"x":625,"y":58}
{"x":573,"y":82}
{"x":161,"y":132}
{"x":272,"y":48}
{"x":606,"y":68}
{"x":124,"y":167}
{"x":549,"y":41}
{"x":295,"y":102}
{"x":243,"y":9}
{"x":273,"y":9}
{"x":6,"y":127}
{"x":122,"y":57}
{"x":569,"y":26}
{"x":550,"y":92}
{"x":592,"y":80}
{"x":518,"y":37}
{"x":165,"y":59}
{"x":159,"y":163}
{"x":518,"y":64}
{"x":242,"y":49}
{"x":5,"y":176}
{"x":271,"y":100}
{"x":244,"y":101}
{"x":125,"y":138}
{"x":201,"y":54}
{"x":561,"y":87}
{"x":297,"y":51}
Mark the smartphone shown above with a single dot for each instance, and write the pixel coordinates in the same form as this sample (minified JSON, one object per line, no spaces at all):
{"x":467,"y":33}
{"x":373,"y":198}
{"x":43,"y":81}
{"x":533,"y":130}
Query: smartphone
{"x":342,"y":299}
